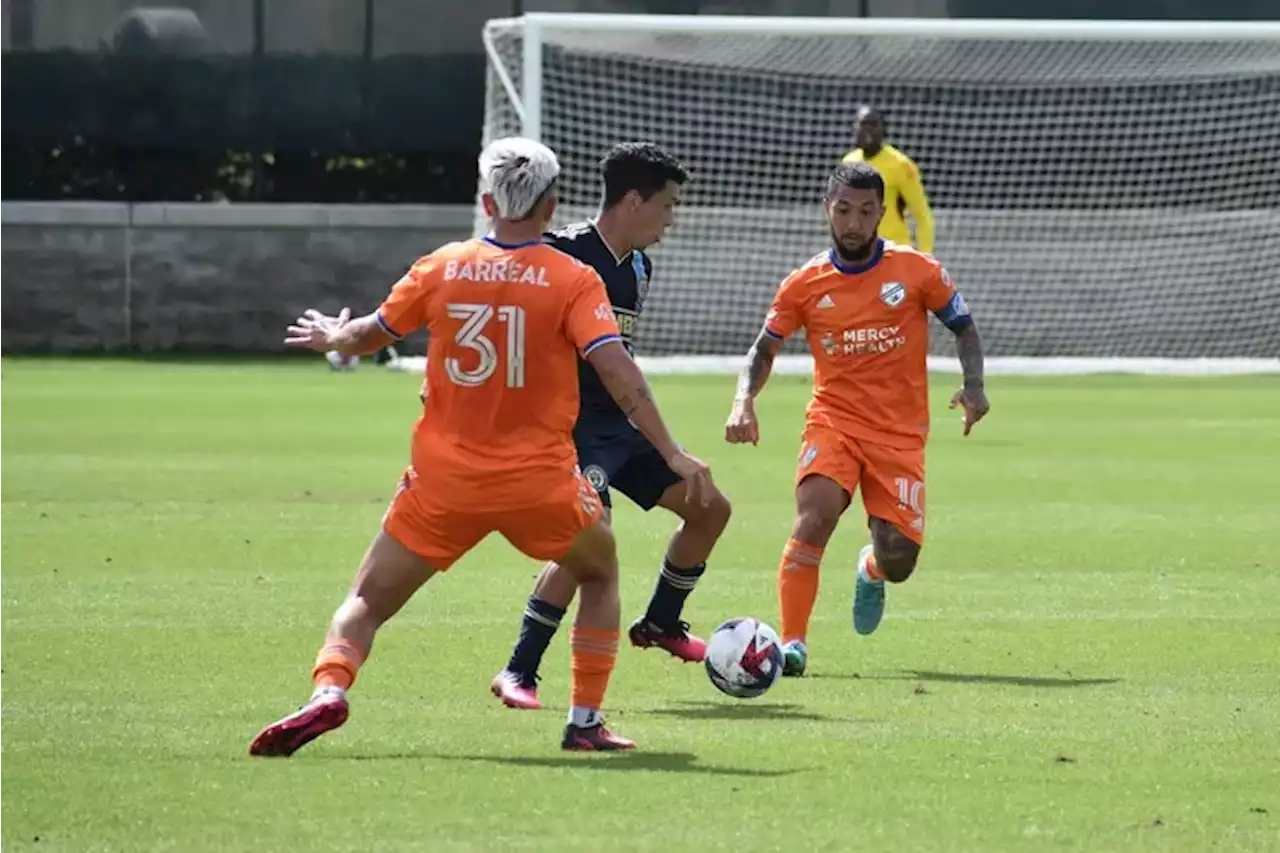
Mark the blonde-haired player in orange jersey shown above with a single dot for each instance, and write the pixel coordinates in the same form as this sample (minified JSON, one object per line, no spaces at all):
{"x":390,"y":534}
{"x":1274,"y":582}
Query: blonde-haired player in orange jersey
{"x":508,"y":316}
{"x":864,"y":305}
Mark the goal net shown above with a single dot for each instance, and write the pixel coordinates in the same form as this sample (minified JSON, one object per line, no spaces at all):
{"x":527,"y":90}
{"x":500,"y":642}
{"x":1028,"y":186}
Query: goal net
{"x":1106,"y":194}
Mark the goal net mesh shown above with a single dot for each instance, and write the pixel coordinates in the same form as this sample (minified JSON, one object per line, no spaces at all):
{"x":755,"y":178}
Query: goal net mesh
{"x":1105,"y":199}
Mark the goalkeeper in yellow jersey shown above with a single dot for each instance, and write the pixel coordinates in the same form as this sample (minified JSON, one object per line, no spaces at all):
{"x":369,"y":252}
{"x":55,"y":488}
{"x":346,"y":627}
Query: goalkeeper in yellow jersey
{"x":903,"y":189}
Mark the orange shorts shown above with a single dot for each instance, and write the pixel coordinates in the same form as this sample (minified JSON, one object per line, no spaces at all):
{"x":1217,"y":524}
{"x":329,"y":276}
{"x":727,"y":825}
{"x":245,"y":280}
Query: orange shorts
{"x":425,"y":523}
{"x":891,"y":479}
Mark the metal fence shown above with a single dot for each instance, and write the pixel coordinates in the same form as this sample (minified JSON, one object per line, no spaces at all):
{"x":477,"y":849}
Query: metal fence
{"x":392,"y":27}
{"x":373,"y":27}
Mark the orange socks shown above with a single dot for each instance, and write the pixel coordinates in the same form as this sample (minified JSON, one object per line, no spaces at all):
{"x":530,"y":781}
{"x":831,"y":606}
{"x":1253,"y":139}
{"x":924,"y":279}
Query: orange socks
{"x":592,"y":654}
{"x":337,"y":664}
{"x":797,"y":587}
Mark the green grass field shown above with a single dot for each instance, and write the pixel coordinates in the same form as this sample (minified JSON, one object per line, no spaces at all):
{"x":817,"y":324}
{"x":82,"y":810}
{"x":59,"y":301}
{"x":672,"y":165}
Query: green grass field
{"x":1087,"y":659}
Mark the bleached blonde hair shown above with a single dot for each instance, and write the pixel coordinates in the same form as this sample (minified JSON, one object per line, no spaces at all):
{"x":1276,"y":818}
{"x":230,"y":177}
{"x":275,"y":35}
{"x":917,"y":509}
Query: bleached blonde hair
{"x":517,"y":172}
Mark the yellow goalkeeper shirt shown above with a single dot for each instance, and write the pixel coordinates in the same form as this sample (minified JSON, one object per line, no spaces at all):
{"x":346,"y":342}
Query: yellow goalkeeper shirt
{"x":903,"y":192}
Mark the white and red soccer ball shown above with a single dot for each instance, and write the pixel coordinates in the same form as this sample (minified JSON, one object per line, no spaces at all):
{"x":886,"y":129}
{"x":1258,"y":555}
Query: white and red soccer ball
{"x":744,"y":657}
{"x":338,"y":361}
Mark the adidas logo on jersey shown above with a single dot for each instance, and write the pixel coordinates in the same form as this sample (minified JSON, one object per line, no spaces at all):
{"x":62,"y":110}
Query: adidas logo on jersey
{"x":826,"y":301}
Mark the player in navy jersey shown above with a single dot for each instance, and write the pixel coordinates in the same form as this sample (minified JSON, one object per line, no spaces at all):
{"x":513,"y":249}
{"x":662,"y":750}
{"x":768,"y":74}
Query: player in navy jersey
{"x":641,"y":189}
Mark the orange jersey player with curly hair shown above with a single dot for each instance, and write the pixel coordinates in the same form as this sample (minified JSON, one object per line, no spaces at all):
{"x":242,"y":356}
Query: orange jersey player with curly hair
{"x":865,"y":306}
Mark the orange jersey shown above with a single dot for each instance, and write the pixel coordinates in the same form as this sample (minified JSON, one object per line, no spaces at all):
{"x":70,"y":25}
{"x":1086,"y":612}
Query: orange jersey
{"x":506,"y":326}
{"x":868,"y":329}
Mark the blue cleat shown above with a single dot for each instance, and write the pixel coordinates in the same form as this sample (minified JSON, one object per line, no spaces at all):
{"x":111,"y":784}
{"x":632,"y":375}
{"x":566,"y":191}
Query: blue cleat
{"x":795,"y":657}
{"x":868,"y":598}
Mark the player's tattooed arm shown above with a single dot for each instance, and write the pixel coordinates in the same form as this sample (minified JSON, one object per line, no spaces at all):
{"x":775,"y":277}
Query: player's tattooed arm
{"x":972,"y":396}
{"x":759,"y":366}
{"x":624,"y":381}
{"x":969,"y":352}
{"x":626,"y":384}
{"x":631,"y":400}
{"x":742,"y":427}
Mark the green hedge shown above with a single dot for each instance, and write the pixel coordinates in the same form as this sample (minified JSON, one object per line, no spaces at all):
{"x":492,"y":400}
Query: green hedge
{"x":270,"y":128}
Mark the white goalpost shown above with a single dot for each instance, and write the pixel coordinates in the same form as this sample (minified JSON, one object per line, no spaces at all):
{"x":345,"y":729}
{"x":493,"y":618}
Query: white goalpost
{"x":1106,"y":193}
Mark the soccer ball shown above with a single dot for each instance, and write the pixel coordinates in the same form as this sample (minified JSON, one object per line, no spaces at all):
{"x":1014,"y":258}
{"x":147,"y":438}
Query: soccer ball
{"x":744,"y":658}
{"x":338,"y":361}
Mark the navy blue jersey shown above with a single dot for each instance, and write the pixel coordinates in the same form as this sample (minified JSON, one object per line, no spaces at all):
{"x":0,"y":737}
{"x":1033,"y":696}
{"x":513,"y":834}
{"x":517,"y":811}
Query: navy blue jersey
{"x":627,"y":280}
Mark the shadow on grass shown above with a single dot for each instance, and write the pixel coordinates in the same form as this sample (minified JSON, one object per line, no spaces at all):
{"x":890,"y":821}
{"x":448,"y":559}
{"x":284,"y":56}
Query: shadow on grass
{"x":982,"y":678}
{"x":744,"y":709}
{"x":635,"y":762}
{"x":370,"y":756}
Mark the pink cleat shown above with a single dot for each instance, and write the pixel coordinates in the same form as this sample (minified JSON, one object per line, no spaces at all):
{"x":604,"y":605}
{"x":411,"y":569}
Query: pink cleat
{"x":593,"y":739}
{"x":283,"y":738}
{"x":677,"y":642}
{"x":515,"y":691}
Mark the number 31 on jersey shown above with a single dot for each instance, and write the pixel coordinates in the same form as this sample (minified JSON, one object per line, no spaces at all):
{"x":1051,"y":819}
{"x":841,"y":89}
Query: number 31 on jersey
{"x":474,"y":336}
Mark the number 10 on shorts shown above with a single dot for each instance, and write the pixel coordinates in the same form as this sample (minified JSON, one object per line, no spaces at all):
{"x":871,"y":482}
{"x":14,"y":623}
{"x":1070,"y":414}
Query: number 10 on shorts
{"x":909,"y":494}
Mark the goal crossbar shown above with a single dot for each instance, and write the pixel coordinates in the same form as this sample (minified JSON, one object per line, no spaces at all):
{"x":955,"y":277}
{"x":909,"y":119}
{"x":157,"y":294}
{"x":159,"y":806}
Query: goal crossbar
{"x":941,"y":28}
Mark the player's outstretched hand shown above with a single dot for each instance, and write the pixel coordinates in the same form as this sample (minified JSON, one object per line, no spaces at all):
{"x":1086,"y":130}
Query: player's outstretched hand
{"x":699,"y":487}
{"x":974,"y":402}
{"x":742,"y":426}
{"x":314,"y":330}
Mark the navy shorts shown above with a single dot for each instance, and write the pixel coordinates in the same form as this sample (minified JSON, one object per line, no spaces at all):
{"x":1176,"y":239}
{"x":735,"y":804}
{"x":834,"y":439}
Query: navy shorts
{"x":623,"y":459}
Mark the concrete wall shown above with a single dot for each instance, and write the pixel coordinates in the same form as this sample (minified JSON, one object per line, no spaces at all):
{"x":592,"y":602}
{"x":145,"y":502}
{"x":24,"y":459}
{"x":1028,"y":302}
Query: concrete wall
{"x":1169,"y":282}
{"x":92,"y":277}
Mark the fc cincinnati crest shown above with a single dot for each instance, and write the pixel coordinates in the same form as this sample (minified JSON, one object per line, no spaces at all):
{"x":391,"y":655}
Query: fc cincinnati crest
{"x":892,"y":293}
{"x":596,"y":476}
